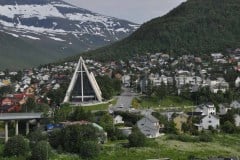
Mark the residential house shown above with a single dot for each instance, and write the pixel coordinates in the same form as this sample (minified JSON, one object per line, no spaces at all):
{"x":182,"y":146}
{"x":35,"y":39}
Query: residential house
{"x":237,"y":82}
{"x":29,"y":91}
{"x":217,"y":55}
{"x":179,"y":120}
{"x":223,"y":108}
{"x":2,"y":73}
{"x":237,"y":120}
{"x":118,"y":119}
{"x":7,"y":101}
{"x":10,"y":108}
{"x":235,"y":104}
{"x":149,"y":126}
{"x":126,"y":80}
{"x":218,"y":85}
{"x":56,"y":86}
{"x":45,"y":77}
{"x":208,"y":121}
{"x":206,"y":109}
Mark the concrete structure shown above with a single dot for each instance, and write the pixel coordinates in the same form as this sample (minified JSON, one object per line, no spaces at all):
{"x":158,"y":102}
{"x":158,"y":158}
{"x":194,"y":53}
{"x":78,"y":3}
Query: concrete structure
{"x":83,"y":86}
{"x":7,"y":117}
{"x":126,"y":130}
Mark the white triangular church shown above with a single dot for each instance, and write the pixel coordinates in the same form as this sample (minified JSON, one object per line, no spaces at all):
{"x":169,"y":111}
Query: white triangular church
{"x":83,"y":87}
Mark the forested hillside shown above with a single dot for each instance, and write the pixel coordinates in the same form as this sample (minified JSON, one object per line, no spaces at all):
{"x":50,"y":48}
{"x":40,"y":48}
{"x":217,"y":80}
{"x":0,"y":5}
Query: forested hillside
{"x":195,"y":27}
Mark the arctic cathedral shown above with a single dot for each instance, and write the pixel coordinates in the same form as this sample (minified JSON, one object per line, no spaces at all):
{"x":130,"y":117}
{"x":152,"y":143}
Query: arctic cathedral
{"x":83,"y":87}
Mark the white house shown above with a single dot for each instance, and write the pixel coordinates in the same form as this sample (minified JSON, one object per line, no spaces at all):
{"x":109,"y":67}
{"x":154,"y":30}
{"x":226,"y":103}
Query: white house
{"x":235,"y":104}
{"x":45,"y":77}
{"x":149,"y":126}
{"x":118,"y":119}
{"x":1,"y":84}
{"x":223,"y":108}
{"x":237,"y":82}
{"x":216,"y":55}
{"x":237,"y":120}
{"x":126,"y":79}
{"x":2,"y":73}
{"x":26,"y":80}
{"x":218,"y":85}
{"x":56,"y":86}
{"x":208,"y":121}
{"x":206,"y":109}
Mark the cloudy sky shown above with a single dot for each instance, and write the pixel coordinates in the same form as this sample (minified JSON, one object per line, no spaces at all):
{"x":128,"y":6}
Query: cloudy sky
{"x":138,"y":11}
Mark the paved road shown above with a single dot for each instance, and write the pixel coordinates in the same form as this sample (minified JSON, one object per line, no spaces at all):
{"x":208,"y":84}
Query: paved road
{"x":124,"y":100}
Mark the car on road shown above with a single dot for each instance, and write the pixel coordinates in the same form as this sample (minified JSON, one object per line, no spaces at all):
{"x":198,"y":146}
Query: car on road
{"x":121,"y":106}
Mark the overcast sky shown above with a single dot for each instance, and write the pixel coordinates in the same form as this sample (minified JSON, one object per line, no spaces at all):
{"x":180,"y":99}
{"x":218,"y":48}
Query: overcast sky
{"x":138,"y":11}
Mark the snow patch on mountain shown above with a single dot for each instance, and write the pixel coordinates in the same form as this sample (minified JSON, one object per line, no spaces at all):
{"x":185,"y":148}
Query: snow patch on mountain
{"x":63,"y":5}
{"x":13,"y":27}
{"x":57,"y":39}
{"x":28,"y":11}
{"x":30,"y":37}
{"x":12,"y":34}
{"x":122,"y":30}
{"x":86,"y":17}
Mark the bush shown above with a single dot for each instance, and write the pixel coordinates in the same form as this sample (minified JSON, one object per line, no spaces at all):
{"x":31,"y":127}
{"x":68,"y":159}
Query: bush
{"x":183,"y":138}
{"x":136,"y":139}
{"x":73,"y":135}
{"x":187,"y":138}
{"x":35,"y":137}
{"x":41,"y":151}
{"x":204,"y":137}
{"x":89,"y":149}
{"x":228,"y":127}
{"x":16,"y":146}
{"x":55,"y":138}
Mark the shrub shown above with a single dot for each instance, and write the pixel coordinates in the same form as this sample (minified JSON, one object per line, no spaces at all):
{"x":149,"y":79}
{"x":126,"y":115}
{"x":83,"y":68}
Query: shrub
{"x":204,"y":137}
{"x":89,"y":149}
{"x":183,"y":138}
{"x":228,"y":127}
{"x":36,"y":136}
{"x":187,"y":138}
{"x":16,"y":146}
{"x":136,"y":139}
{"x":73,"y":135}
{"x":41,"y":151}
{"x":55,"y":138}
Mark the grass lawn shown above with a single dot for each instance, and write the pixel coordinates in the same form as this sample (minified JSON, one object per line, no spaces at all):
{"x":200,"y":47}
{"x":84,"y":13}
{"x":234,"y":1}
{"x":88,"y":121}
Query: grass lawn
{"x":169,"y":102}
{"x":69,"y":108}
{"x":100,"y":106}
{"x":222,"y":145}
{"x":227,"y":145}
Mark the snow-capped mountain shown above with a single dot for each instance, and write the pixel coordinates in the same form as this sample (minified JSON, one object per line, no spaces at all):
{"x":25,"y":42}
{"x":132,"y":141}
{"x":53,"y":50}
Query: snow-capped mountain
{"x":58,"y":27}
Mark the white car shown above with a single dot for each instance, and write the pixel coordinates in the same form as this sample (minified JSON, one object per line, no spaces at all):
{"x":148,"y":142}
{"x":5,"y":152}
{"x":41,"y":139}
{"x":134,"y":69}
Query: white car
{"x":121,"y":106}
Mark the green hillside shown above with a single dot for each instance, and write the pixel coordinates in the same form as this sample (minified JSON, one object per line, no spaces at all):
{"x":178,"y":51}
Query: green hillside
{"x":9,"y":45}
{"x":194,"y":27}
{"x":21,"y":53}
